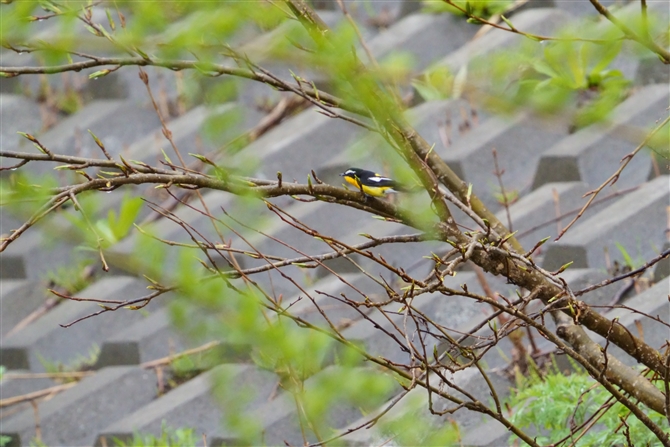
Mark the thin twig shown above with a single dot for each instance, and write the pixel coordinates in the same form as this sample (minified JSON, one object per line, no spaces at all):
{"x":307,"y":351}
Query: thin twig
{"x":171,"y":358}
{"x":635,"y":272}
{"x":499,"y":173}
{"x":36,"y":394}
{"x":614,"y":177}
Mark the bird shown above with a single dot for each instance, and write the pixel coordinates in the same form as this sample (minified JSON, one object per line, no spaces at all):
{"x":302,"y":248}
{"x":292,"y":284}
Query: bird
{"x":373,"y":185}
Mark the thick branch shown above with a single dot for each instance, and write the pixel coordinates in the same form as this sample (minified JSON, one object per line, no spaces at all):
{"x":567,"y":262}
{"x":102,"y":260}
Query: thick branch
{"x":499,"y":263}
{"x":502,"y":263}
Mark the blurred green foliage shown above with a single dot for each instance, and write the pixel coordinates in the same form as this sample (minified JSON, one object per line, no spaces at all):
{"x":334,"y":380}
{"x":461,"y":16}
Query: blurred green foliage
{"x":435,"y":84}
{"x":22,"y":195}
{"x":568,"y":78}
{"x":412,"y":425}
{"x":240,"y":316}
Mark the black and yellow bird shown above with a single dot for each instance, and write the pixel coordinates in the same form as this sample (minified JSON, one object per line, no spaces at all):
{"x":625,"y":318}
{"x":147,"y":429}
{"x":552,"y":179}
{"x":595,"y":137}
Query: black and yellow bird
{"x":371,"y":184}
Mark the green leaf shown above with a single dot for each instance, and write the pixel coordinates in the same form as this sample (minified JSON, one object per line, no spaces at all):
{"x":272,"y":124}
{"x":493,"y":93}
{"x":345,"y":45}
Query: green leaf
{"x":607,"y":53}
{"x":543,"y":67}
{"x":104,"y":229}
{"x":506,"y":20}
{"x":130,"y":209}
{"x":112,"y":25}
{"x":626,"y":257}
{"x":96,"y":139}
{"x":166,"y":157}
{"x":99,"y":74}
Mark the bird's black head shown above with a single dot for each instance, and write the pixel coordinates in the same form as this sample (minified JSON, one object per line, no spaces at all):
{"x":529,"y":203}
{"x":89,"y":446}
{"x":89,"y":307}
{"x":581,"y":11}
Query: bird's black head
{"x":357,"y":172}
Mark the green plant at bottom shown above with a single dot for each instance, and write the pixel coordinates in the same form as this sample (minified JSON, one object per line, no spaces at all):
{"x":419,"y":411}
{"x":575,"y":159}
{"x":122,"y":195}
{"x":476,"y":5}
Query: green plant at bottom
{"x":557,"y":403}
{"x":79,"y":363}
{"x":169,"y":437}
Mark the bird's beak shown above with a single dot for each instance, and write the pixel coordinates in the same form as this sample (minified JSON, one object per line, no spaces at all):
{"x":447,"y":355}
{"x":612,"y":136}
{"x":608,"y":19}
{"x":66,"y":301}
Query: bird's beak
{"x":342,"y":175}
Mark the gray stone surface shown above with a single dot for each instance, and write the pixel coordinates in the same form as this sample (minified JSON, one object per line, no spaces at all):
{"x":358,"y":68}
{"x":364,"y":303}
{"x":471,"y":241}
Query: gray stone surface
{"x":332,"y":220}
{"x":490,"y":433}
{"x":310,"y":137}
{"x":662,"y":269}
{"x":538,"y":208}
{"x":47,"y":340}
{"x":649,"y":71}
{"x":152,"y":338}
{"x":117,"y":123}
{"x":108,"y":395}
{"x":192,"y":405}
{"x":654,"y":331}
{"x":17,"y":386}
{"x":325,"y":294}
{"x":426,"y":36}
{"x":187,"y":134}
{"x":18,"y":114}
{"x":631,"y":222}
{"x":451,"y":312}
{"x":147,"y":339}
{"x":594,"y":153}
{"x":445,"y":123}
{"x":169,"y":230}
{"x":252,"y":95}
{"x":519,"y":141}
{"x":18,"y":298}
{"x":9,"y":221}
{"x":579,"y":279}
{"x":37,"y":253}
{"x":12,"y":267}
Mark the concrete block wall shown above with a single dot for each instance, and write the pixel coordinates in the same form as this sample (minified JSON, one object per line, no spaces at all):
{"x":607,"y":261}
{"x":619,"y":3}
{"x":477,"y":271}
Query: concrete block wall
{"x":550,"y":167}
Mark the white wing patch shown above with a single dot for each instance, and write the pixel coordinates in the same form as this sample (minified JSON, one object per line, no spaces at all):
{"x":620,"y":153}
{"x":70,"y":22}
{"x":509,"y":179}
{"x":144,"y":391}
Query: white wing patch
{"x":379,"y":179}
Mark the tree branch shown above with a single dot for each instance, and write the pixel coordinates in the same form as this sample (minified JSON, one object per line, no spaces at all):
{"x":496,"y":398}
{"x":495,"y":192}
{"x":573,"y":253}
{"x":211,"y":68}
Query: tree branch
{"x":663,"y":54}
{"x":207,"y":69}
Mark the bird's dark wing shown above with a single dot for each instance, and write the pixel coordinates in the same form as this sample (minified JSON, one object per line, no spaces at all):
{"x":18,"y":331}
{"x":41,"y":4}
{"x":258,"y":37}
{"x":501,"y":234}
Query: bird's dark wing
{"x":385,"y":181}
